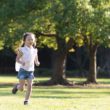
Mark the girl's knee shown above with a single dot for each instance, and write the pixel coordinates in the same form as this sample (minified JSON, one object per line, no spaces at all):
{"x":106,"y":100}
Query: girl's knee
{"x":21,"y":88}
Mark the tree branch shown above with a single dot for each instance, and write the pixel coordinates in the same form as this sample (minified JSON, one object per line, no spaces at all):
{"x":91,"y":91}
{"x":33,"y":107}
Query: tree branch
{"x":86,"y":40}
{"x":38,"y":33}
{"x":70,"y":43}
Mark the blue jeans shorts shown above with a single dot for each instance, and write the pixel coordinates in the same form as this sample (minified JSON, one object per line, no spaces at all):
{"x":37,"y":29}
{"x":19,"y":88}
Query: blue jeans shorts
{"x":23,"y":74}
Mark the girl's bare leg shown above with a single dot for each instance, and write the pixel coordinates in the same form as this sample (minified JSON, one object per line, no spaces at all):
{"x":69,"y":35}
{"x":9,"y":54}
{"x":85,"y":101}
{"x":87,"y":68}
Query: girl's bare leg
{"x":21,"y":84}
{"x":29,"y":89}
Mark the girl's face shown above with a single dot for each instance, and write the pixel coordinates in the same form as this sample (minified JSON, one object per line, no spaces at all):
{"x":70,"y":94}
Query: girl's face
{"x":30,"y":40}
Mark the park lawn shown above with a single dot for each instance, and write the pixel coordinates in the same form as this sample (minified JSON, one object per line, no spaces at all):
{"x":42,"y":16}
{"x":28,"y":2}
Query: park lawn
{"x":56,"y":97}
{"x":13,"y":79}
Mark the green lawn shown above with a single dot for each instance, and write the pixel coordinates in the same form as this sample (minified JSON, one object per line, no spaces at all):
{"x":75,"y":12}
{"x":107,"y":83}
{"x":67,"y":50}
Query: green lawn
{"x":56,"y":97}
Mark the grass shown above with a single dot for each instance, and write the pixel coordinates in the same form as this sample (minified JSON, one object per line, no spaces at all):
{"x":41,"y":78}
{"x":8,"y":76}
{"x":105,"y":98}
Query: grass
{"x":56,"y":97}
{"x":13,"y":79}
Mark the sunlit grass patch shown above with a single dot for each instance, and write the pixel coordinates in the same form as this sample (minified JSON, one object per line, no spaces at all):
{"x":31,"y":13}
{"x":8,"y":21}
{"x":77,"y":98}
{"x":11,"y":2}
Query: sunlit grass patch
{"x":56,"y":98}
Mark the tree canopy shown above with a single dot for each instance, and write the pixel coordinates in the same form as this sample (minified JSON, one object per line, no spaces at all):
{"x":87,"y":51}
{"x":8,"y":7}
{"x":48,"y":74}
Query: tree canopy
{"x":54,"y":16}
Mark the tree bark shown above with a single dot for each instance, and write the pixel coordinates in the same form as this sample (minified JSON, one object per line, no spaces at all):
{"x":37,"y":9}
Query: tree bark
{"x":92,"y":50}
{"x":59,"y":67}
{"x":92,"y":76}
{"x":59,"y":63}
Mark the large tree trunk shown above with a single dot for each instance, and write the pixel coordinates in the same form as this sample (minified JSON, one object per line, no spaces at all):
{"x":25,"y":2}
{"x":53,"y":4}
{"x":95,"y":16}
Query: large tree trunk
{"x":92,"y":76}
{"x":59,"y":67}
{"x":59,"y":63}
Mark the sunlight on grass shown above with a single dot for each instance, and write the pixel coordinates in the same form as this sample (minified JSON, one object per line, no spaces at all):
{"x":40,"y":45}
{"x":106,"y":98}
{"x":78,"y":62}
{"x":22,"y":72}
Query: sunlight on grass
{"x":56,"y":98}
{"x":7,"y":79}
{"x":13,"y":79}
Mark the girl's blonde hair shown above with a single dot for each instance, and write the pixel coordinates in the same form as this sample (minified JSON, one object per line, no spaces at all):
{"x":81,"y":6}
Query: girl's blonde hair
{"x":24,"y":38}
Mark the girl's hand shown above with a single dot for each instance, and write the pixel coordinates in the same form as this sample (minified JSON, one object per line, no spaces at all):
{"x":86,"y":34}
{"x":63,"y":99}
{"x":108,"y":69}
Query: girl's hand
{"x":20,"y":53}
{"x":23,"y":63}
{"x":37,"y":63}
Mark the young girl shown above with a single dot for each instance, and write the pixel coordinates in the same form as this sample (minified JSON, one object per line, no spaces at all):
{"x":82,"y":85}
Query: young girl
{"x":27,"y":57}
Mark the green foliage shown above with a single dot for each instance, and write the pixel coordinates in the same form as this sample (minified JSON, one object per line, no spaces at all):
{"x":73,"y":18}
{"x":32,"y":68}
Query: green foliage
{"x":62,"y":17}
{"x":97,"y":21}
{"x":1,"y":44}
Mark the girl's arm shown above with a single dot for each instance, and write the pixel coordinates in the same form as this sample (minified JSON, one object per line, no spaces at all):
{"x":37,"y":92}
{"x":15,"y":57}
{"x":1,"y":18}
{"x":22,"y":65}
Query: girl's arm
{"x":37,"y":61}
{"x":19,"y":55}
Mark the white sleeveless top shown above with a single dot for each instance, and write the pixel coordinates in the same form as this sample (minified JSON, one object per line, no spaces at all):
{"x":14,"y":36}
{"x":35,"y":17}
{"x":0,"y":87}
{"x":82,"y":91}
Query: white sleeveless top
{"x":28,"y":58}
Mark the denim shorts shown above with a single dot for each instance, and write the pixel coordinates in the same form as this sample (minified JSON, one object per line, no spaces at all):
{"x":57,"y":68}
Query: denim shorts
{"x":23,"y":74}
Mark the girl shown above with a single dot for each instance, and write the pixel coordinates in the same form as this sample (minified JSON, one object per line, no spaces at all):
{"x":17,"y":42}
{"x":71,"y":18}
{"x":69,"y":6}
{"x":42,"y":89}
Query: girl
{"x":27,"y":57}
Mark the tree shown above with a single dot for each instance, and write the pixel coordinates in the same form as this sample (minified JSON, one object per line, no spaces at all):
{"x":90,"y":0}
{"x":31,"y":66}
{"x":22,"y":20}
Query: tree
{"x":62,"y":22}
{"x":64,"y":27}
{"x":89,"y":21}
{"x":46,"y":21}
{"x":95,"y":31}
